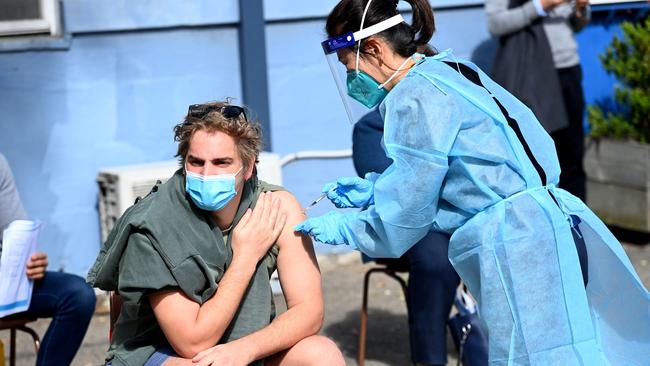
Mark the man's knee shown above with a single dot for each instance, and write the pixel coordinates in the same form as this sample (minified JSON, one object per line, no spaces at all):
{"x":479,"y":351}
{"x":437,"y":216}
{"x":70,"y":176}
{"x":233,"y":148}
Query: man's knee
{"x":318,"y":350}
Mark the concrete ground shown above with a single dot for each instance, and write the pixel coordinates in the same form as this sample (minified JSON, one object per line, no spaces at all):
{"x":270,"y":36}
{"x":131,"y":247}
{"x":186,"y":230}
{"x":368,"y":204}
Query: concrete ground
{"x":387,"y":342}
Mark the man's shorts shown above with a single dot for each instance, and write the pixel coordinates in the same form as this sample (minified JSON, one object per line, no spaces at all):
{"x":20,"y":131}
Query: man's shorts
{"x":160,"y":356}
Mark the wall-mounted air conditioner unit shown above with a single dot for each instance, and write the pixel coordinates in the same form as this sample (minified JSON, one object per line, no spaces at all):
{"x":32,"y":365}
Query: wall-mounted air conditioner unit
{"x":120,"y":186}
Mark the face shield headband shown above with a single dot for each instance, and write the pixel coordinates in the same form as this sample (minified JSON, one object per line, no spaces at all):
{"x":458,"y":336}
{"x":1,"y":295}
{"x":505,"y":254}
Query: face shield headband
{"x":351,"y":38}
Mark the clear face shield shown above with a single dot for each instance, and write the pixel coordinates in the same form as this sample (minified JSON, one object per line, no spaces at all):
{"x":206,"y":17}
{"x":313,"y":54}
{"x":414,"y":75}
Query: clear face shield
{"x":348,"y":82}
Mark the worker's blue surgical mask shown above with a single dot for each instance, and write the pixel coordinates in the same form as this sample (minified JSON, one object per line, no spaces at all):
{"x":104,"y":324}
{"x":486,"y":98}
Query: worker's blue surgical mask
{"x":211,"y":192}
{"x":366,"y":90}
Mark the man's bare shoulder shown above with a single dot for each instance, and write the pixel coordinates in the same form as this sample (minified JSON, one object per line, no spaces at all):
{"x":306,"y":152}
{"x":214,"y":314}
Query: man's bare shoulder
{"x":289,"y":203}
{"x":290,"y":207}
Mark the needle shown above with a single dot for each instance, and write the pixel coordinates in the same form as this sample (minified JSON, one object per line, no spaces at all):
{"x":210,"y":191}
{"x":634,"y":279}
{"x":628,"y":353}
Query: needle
{"x":320,"y":198}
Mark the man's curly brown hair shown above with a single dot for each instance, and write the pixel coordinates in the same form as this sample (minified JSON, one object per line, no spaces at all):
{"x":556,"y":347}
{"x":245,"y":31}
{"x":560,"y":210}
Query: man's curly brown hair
{"x":247,"y":133}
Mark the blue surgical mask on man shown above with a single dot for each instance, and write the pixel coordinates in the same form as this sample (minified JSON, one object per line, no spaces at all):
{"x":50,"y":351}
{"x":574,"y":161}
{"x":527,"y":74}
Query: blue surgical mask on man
{"x":211,"y":192}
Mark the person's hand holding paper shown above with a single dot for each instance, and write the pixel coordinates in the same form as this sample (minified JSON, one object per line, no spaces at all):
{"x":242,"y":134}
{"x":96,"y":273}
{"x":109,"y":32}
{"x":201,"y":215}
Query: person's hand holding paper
{"x":36,"y":266}
{"x":16,"y":280}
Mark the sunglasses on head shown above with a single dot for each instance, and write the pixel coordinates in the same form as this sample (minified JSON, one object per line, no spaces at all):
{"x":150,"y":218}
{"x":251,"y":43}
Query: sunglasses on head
{"x":228,"y":111}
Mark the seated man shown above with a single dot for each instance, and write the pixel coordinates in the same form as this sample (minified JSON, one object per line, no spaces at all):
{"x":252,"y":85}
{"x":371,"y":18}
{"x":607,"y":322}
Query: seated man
{"x":192,"y":260}
{"x":65,"y":298}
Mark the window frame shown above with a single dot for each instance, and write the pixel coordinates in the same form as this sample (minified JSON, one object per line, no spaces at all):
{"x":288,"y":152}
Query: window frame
{"x":49,"y":22}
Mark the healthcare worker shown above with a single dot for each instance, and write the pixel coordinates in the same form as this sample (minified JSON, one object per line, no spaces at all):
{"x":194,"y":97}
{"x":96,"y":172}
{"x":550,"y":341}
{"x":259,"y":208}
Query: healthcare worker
{"x":471,"y":160}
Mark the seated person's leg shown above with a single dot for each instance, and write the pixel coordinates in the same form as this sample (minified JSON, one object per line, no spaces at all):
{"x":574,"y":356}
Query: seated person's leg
{"x":70,"y":302}
{"x":431,"y":291}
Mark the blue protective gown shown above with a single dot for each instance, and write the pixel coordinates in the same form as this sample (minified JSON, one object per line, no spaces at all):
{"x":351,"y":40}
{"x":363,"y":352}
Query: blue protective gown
{"x":458,"y":167}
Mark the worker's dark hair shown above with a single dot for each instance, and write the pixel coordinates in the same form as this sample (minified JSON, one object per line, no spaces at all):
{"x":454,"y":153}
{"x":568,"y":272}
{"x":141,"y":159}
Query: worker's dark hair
{"x":404,"y":39}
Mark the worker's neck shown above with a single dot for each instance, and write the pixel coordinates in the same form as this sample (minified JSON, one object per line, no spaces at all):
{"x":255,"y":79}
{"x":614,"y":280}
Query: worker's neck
{"x":406,"y":63}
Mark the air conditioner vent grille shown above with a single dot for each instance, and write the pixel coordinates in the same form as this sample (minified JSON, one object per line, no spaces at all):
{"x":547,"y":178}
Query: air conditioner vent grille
{"x":119,"y":187}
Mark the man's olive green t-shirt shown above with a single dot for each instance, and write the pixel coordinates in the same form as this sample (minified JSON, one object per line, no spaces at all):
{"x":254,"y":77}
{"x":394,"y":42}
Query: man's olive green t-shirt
{"x":165,"y":242}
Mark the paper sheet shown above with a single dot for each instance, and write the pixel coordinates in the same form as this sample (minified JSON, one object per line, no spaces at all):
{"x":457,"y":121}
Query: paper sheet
{"x":18,"y":244}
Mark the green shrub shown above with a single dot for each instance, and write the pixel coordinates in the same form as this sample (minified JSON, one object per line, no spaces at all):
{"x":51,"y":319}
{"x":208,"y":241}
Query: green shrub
{"x":629,"y":60}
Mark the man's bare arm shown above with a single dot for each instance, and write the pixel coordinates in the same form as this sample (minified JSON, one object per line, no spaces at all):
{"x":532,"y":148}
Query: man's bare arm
{"x":190,"y":327}
{"x":301,"y":284}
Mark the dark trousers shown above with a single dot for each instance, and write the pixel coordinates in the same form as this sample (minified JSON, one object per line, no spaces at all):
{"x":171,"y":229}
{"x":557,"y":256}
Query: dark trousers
{"x":569,"y":141}
{"x":70,"y":302}
{"x":431,"y":292}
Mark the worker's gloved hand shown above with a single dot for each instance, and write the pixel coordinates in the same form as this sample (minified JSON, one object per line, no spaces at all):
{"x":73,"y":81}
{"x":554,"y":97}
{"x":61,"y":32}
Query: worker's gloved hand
{"x":326,"y":228}
{"x":350,"y":192}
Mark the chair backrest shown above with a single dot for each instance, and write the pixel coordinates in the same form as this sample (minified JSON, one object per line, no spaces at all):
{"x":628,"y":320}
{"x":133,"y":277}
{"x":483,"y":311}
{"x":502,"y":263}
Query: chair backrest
{"x":115,"y":303}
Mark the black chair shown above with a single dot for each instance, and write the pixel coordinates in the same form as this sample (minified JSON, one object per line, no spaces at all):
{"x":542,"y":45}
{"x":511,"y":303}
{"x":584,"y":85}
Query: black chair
{"x":389,"y":267}
{"x":115,"y":301}
{"x":14,"y":324}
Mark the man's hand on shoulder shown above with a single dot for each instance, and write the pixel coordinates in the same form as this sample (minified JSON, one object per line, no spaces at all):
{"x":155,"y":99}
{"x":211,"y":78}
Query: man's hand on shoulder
{"x":258,"y":229}
{"x":36,"y":266}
